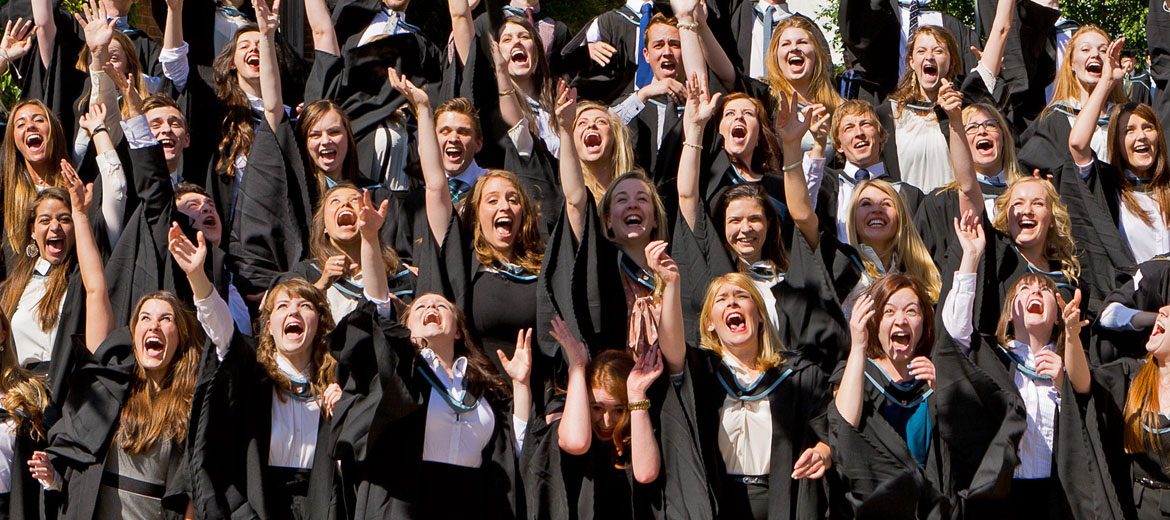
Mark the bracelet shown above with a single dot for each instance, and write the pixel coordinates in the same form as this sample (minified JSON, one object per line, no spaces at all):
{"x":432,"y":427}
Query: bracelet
{"x":508,"y":92}
{"x":693,"y":27}
{"x":792,"y":166}
{"x":692,"y":145}
{"x":638,"y":405}
{"x":100,"y":128}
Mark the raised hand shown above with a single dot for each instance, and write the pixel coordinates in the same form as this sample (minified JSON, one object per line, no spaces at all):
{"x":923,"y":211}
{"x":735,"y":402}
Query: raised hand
{"x":951,"y":101}
{"x":267,"y":19}
{"x":370,"y":217}
{"x":576,"y":353}
{"x":519,"y":368}
{"x":790,"y":126}
{"x":16,"y":42}
{"x":41,"y":468}
{"x":1072,"y":315}
{"x":335,"y":267}
{"x":700,"y":104}
{"x":190,"y":257}
{"x":601,"y":53}
{"x":1049,"y":363}
{"x":648,"y":367}
{"x":1112,"y":67}
{"x":92,"y":120}
{"x":863,"y":311}
{"x":99,"y":31}
{"x":80,"y":193}
{"x":660,"y":262}
{"x":818,"y":118}
{"x":126,"y":85}
{"x":416,"y":96}
{"x":922,"y":368}
{"x":969,"y":230}
{"x":566,"y":108}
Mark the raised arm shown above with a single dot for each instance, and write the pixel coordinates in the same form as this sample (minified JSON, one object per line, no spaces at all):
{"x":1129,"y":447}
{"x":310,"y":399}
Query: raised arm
{"x":268,"y":19}
{"x":694,"y":60}
{"x":211,"y":308}
{"x":993,"y":48}
{"x":644,"y":455}
{"x":370,"y":220}
{"x":462,"y":28}
{"x":959,"y":306}
{"x":963,"y":166}
{"x":113,"y":175}
{"x":575,"y":433}
{"x":1076,"y":365}
{"x":46,"y":29}
{"x":672,"y":337}
{"x":1081,"y":135}
{"x":712,"y":51}
{"x":510,"y":109}
{"x":851,"y":392}
{"x":98,"y":311}
{"x":572,"y":180}
{"x":324,"y":35}
{"x":791,"y":128}
{"x":519,"y":369}
{"x":699,"y":108}
{"x":438,"y":194}
{"x":16,"y":43}
{"x":173,"y":31}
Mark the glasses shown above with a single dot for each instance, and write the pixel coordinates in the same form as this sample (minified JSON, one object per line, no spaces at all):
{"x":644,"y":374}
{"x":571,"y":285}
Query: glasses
{"x":989,"y":125}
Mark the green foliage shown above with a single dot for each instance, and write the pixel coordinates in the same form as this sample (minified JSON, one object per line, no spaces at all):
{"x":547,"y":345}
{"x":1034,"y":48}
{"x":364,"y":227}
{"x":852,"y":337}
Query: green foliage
{"x":9,"y":91}
{"x":432,"y":15}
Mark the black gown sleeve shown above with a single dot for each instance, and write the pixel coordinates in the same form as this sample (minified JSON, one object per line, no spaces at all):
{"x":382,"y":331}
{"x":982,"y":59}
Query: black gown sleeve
{"x":812,"y":322}
{"x":870,"y":32}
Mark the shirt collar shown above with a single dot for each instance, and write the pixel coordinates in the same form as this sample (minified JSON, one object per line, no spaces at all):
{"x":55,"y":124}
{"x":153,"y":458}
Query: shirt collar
{"x":1022,"y":349}
{"x":636,"y":5}
{"x":877,"y":261}
{"x":780,"y":13}
{"x":876,"y":171}
{"x":469,"y":176}
{"x":42,"y":266}
{"x":257,"y":104}
{"x":122,"y":24}
{"x":290,"y":370}
{"x":742,"y":373}
{"x":997,"y":179}
{"x":454,"y":383}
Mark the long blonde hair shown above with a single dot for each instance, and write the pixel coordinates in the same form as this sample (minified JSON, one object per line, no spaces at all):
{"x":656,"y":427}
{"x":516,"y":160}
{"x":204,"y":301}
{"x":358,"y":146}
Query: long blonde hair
{"x":913,"y":257}
{"x":133,"y":68}
{"x":771,"y":352}
{"x":821,"y":87}
{"x":1067,"y":87}
{"x":1058,"y":244}
{"x":19,"y":187}
{"x":621,"y":157}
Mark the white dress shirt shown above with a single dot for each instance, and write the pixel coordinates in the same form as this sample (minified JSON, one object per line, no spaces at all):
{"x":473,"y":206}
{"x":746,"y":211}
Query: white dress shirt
{"x":293,"y":440}
{"x":1116,"y":316}
{"x":1145,"y":240}
{"x":385,"y":23}
{"x":745,"y":427}
{"x":756,"y":68}
{"x":33,"y":343}
{"x":926,"y":16}
{"x":7,"y":439}
{"x":845,"y":188}
{"x":923,"y":154}
{"x":593,"y":35}
{"x":450,"y":438}
{"x":522,"y":137}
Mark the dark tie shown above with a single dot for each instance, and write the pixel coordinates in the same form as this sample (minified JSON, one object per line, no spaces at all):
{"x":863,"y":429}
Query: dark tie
{"x":862,"y":175}
{"x":914,"y":11}
{"x":458,"y":189}
{"x":769,"y":26}
{"x":644,"y":75}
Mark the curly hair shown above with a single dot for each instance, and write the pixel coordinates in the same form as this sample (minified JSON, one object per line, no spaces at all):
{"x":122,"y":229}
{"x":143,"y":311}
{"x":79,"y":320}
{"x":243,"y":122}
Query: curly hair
{"x":24,"y":394}
{"x":322,"y":364}
{"x":322,"y":246}
{"x":881,"y":291}
{"x":1058,"y":243}
{"x":909,"y":88}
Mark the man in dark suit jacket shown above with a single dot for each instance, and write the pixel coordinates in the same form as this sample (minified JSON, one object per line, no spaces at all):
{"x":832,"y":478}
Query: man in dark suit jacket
{"x":610,"y":48}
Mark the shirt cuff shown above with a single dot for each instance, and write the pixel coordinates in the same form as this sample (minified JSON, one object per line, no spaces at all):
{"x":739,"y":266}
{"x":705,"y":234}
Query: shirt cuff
{"x":138,"y":134}
{"x":593,"y":34}
{"x":1085,"y":169}
{"x":814,"y":174}
{"x":629,"y":108}
{"x":175,"y":66}
{"x":385,"y":306}
{"x":1116,"y":316}
{"x":521,"y":138}
{"x":989,"y":79}
{"x":519,"y":429}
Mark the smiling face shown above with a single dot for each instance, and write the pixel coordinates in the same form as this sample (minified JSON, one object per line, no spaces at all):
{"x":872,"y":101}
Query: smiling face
{"x":740,"y":128}
{"x":859,"y":138}
{"x":156,"y":336}
{"x":1029,"y":214}
{"x":664,"y":51}
{"x":52,"y":230}
{"x":246,"y":59}
{"x":32,"y":133}
{"x":328,"y":143}
{"x":1033,"y":306}
{"x":170,"y":129}
{"x":593,"y":136}
{"x":519,"y":49}
{"x":734,"y":317}
{"x":431,"y":317}
{"x":341,"y":214}
{"x":605,"y":411}
{"x":875,"y":217}
{"x":930,"y":60}
{"x":900,"y":325}
{"x":1159,"y":342}
{"x":985,"y":138}
{"x":1140,"y":142}
{"x":201,"y":209}
{"x":797,"y":54}
{"x":499,"y":213}
{"x":745,"y":228}
{"x":1088,"y":58}
{"x":292,"y":323}
{"x":457,"y":140}
{"x":631,"y":216}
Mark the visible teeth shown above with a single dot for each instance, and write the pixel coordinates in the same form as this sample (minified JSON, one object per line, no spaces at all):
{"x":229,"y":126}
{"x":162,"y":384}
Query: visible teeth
{"x":633,"y":219}
{"x":739,"y":132}
{"x":346,"y":217}
{"x":294,"y":328}
{"x":875,"y":222}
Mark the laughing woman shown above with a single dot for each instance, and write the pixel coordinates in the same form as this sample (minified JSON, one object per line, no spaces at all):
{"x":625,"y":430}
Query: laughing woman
{"x":751,"y":398}
{"x":34,"y":146}
{"x":603,"y":146}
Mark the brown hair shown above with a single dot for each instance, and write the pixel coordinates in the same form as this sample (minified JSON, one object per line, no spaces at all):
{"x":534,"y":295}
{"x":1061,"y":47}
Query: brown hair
{"x":767,"y":155}
{"x":24,"y":395}
{"x":771,"y":350}
{"x":322,"y":364}
{"x":606,"y":203}
{"x":881,"y":291}
{"x":528,"y":247}
{"x":821,"y":87}
{"x":773,"y":243}
{"x":1058,"y":244}
{"x":49,"y":308}
{"x":322,"y":246}
{"x":185,"y":187}
{"x":312,"y":114}
{"x":147,"y":416}
{"x":164,"y":101}
{"x":1159,"y":173}
{"x":1007,"y":145}
{"x":908,"y":87}
{"x":482,"y":377}
{"x":18,"y":185}
{"x":1066,"y":86}
{"x":239,"y":123}
{"x":609,"y":371}
{"x":133,"y":68}
{"x":542,"y":76}
{"x":658,"y":19}
{"x":854,"y":107}
{"x":462,"y":105}
{"x":1005,"y":330}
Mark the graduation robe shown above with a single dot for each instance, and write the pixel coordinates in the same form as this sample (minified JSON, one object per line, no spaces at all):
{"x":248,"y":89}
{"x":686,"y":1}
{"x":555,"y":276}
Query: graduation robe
{"x":1147,"y":289}
{"x":619,"y":28}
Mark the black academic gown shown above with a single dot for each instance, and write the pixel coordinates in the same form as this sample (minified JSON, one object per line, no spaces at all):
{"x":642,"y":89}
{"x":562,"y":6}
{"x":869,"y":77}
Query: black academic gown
{"x":1111,"y":385}
{"x":1148,"y":289}
{"x":618,"y":28}
{"x":379,"y":423}
{"x":1029,"y":60}
{"x":937,"y":213}
{"x":1158,"y":39}
{"x":231,"y":428}
{"x":401,"y":283}
{"x":827,"y":198}
{"x":23,"y":500}
{"x":79,"y":443}
{"x":796,"y":394}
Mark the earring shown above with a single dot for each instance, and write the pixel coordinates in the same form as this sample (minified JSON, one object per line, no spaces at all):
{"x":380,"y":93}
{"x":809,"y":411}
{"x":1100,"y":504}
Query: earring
{"x":31,"y":250}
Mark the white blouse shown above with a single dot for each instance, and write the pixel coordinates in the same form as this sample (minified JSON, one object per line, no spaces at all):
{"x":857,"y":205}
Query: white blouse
{"x":293,"y":440}
{"x":745,"y":428}
{"x":451,"y":438}
{"x":1146,"y":241}
{"x":7,"y":439}
{"x":33,"y":343}
{"x":923,"y":155}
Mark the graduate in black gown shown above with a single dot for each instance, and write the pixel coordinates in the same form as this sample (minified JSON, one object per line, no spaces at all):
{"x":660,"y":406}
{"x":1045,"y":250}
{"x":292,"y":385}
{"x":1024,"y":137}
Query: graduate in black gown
{"x":748,"y":152}
{"x":1134,"y":306}
{"x":608,"y":51}
{"x":119,"y":448}
{"x":753,"y":404}
{"x":1129,"y":394}
{"x":25,"y":430}
{"x":1037,"y":352}
{"x":600,"y":459}
{"x":34,"y":146}
{"x":603,"y":146}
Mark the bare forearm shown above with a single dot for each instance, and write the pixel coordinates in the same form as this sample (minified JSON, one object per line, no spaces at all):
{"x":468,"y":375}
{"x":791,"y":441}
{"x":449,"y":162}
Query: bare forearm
{"x":996,"y":41}
{"x":1081,"y":135}
{"x":173,"y":33}
{"x":270,"y":83}
{"x":1076,"y":365}
{"x":438,"y":194}
{"x":644,"y":453}
{"x":573,"y":184}
{"x":98,"y":312}
{"x":324,"y":36}
{"x":510,"y":109}
{"x":688,"y":173}
{"x":671,"y":330}
{"x":575,"y":433}
{"x":849,"y":394}
{"x":46,"y":29}
{"x":970,"y":194}
{"x":373,"y":269}
{"x":462,"y":28}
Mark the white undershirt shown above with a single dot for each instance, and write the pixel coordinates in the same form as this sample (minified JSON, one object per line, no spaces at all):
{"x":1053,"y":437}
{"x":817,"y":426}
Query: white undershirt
{"x":923,"y":155}
{"x":7,"y":439}
{"x":385,"y":23}
{"x":745,"y":428}
{"x":756,"y":68}
{"x":293,"y":440}
{"x":1146,"y":241}
{"x":33,"y":344}
{"x":450,"y":438}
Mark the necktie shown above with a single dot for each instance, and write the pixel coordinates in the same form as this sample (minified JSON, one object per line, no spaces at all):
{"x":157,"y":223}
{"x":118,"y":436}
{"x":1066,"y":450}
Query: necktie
{"x":644,"y":75}
{"x":862,"y":175}
{"x":458,"y":189}
{"x":530,"y":13}
{"x":769,"y":26}
{"x":914,"y":11}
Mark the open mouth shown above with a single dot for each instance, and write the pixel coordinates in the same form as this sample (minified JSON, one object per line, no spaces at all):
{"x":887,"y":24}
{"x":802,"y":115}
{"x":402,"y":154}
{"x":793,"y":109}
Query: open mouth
{"x":1094,"y":66}
{"x":453,"y":153}
{"x":55,"y":246}
{"x":745,"y":241}
{"x":294,"y":330}
{"x":876,"y":222}
{"x":1027,"y":223}
{"x":736,"y":322}
{"x":210,"y":222}
{"x":253,"y":59}
{"x":1034,"y":305}
{"x":1140,"y":147}
{"x":739,"y":132}
{"x":860,"y":144}
{"x":346,"y":218}
{"x":167,"y":143}
{"x":592,"y":140}
{"x":327,"y":154}
{"x":432,"y":317}
{"x":633,"y":219}
{"x":796,"y":62}
{"x":1159,"y":329}
{"x":900,"y":339}
{"x":984,"y":145}
{"x":929,"y":69}
{"x":503,"y":225}
{"x":154,"y":345}
{"x":34,"y":141}
{"x":668,"y":67}
{"x":519,"y":57}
